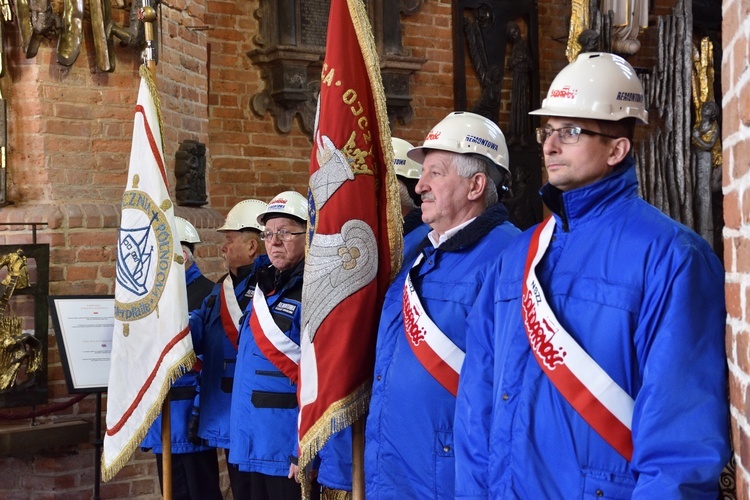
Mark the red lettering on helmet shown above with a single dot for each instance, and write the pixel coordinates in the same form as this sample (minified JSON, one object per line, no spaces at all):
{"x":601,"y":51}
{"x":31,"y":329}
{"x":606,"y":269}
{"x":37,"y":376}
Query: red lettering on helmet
{"x":433,"y":135}
{"x":564,"y":93}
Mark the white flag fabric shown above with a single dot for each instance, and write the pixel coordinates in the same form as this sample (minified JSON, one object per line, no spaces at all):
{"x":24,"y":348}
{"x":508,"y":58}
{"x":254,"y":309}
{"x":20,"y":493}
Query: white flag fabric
{"x":151,"y":344}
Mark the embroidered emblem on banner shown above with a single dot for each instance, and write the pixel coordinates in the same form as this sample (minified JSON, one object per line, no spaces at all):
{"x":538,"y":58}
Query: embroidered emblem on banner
{"x":337,"y":265}
{"x":144,"y":254}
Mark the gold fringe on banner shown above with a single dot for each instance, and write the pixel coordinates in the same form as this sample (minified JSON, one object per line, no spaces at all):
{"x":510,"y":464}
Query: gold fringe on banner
{"x":370,"y":53}
{"x":177,"y":371}
{"x":151,"y":83}
{"x":339,"y":416}
{"x":331,"y":494}
{"x":346,"y":411}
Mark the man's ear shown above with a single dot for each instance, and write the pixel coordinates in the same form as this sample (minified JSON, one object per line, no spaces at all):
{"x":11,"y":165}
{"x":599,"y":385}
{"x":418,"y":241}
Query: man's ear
{"x":477,"y":186}
{"x":253,"y":246}
{"x":620,"y":149}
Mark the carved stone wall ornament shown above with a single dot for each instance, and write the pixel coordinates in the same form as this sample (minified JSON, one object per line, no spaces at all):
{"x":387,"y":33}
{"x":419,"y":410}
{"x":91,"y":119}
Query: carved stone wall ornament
{"x":190,"y":174}
{"x":521,"y":64}
{"x":482,"y":30}
{"x":289,"y":51}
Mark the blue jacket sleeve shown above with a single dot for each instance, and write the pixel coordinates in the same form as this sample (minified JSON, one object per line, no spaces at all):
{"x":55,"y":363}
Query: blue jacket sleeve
{"x":680,"y":347}
{"x":471,"y":426}
{"x":198,"y":319}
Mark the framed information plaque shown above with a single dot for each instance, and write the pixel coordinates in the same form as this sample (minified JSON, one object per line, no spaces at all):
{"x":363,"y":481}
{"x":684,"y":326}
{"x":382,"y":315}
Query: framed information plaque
{"x":83,"y":327}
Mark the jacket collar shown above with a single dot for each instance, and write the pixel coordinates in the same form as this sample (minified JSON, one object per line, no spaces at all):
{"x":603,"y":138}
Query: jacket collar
{"x":192,"y":273}
{"x":271,"y":279}
{"x":577,"y":206}
{"x":475,"y":231}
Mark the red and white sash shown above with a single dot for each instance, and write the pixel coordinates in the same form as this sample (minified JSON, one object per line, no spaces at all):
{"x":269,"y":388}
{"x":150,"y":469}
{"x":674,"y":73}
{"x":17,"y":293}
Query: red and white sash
{"x":435,"y":351}
{"x":604,"y":405}
{"x":231,"y":314}
{"x":277,"y":347}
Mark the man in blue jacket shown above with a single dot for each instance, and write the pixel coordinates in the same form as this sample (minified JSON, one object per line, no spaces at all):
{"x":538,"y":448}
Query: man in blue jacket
{"x":409,"y":448}
{"x":595,"y":364}
{"x":215,"y":326}
{"x":195,"y":467}
{"x":263,"y":437}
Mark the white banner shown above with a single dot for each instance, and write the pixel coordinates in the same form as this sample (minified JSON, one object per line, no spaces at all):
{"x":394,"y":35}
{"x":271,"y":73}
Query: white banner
{"x":151,"y":345}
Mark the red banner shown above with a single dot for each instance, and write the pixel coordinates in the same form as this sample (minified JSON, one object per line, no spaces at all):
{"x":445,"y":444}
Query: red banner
{"x":354,"y":240}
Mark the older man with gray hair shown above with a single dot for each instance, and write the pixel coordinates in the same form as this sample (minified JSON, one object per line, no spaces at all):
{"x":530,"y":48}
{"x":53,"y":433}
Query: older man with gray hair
{"x":421,"y":337}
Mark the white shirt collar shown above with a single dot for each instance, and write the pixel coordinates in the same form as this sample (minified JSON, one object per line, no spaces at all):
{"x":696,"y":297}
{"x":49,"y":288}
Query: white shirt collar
{"x":447,"y":235}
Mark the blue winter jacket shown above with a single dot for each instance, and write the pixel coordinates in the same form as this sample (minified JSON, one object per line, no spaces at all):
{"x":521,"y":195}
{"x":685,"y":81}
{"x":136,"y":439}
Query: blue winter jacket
{"x":409,"y":449}
{"x":182,"y":392}
{"x":263,"y":430}
{"x":335,"y":468}
{"x":219,"y":356}
{"x":644,"y":297}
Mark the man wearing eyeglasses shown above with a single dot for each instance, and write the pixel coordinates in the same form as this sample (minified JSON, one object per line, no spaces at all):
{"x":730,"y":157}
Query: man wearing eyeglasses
{"x":263,"y":434}
{"x":595,"y":364}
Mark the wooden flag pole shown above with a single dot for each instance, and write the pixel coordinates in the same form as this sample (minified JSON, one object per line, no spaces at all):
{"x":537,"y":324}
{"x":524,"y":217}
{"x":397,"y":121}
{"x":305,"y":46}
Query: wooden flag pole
{"x":166,"y":450}
{"x":358,"y":459}
{"x":147,"y":14}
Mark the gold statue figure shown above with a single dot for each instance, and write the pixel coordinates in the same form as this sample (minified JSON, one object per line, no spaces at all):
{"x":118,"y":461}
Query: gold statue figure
{"x":706,"y":134}
{"x":579,"y":21}
{"x":16,"y":348}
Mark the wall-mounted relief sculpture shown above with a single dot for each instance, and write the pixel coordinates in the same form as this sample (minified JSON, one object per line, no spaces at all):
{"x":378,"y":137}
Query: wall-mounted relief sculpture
{"x":190,"y":173}
{"x":499,"y":38}
{"x":37,"y":21}
{"x":290,"y":48}
{"x":24,"y":286}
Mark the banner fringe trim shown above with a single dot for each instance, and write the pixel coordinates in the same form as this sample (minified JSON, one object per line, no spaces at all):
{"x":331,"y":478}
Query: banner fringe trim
{"x":177,"y":371}
{"x":338,"y":416}
{"x":369,"y":51}
{"x":151,"y":84}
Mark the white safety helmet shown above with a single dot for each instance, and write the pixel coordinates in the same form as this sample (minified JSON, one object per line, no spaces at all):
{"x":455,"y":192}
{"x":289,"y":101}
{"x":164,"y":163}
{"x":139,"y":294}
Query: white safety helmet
{"x":287,"y":203}
{"x":463,"y":132}
{"x":404,"y":166}
{"x":186,"y":231}
{"x":244,"y":215}
{"x":598,"y":86}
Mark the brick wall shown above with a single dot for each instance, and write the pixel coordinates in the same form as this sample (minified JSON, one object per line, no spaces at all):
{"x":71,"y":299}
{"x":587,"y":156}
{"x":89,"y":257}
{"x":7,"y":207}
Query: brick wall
{"x":69,"y":138}
{"x":736,"y":189}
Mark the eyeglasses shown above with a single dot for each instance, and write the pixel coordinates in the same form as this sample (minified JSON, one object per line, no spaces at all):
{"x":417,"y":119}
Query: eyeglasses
{"x":567,"y":135}
{"x":282,"y":234}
